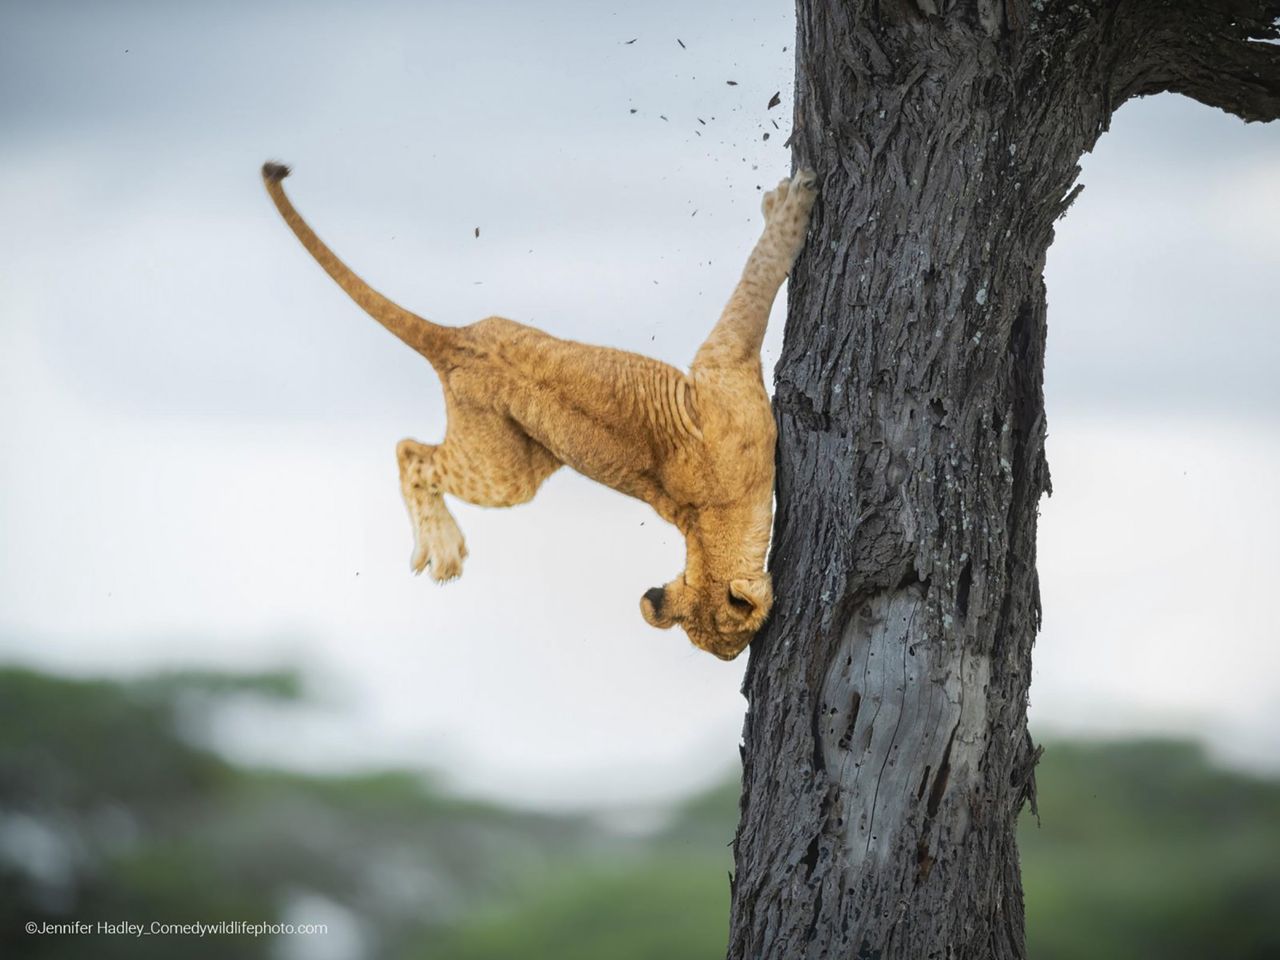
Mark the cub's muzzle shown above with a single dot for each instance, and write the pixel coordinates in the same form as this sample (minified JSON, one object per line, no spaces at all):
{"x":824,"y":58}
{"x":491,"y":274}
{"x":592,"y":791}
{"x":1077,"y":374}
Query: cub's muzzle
{"x":656,"y":597}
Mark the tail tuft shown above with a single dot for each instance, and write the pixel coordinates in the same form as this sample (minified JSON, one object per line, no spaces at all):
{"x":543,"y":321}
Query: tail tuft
{"x":273,"y":172}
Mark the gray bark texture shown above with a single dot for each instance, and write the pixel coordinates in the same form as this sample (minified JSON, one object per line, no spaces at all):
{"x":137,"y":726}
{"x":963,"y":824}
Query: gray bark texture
{"x":886,"y":755}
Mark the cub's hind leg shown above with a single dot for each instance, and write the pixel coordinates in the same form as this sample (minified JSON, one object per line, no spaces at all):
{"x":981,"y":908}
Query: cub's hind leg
{"x":437,"y":541}
{"x":486,"y":459}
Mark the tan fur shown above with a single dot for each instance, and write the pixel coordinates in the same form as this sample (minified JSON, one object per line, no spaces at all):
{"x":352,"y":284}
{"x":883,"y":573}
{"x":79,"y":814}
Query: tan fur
{"x":697,"y":447}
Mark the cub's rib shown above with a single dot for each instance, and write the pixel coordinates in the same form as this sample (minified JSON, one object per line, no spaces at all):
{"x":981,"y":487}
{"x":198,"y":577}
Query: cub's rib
{"x":429,"y":339}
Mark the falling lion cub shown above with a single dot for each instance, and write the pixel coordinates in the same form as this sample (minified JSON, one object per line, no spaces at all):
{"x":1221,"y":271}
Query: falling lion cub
{"x":697,"y":447}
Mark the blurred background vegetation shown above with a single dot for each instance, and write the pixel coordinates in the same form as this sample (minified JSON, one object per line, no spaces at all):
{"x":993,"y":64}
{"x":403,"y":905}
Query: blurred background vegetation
{"x":112,"y":808}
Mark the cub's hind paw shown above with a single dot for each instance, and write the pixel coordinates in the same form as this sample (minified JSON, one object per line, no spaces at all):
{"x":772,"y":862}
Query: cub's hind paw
{"x":438,"y":545}
{"x":418,"y":562}
{"x":443,"y":566}
{"x":446,"y":568}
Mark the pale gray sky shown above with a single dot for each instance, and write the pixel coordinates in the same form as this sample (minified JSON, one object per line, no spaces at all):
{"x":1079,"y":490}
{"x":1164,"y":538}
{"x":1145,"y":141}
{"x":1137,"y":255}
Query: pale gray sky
{"x":196,"y":451}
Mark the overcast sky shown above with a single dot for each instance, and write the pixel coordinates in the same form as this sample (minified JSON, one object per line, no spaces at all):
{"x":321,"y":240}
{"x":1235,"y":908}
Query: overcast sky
{"x":197,"y":444}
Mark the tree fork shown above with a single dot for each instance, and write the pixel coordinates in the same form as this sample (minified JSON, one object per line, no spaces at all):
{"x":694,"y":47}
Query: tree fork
{"x":886,"y":755}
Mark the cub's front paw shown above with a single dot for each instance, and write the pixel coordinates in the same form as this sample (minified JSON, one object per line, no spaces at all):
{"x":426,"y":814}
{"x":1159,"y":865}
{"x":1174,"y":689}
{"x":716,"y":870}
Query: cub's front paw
{"x":803,"y":192}
{"x":790,"y":219}
{"x":775,"y":198}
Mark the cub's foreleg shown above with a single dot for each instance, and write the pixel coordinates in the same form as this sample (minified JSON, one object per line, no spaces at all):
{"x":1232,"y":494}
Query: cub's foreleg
{"x":738,"y":335}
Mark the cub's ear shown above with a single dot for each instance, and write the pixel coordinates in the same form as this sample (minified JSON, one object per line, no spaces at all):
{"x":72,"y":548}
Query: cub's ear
{"x":752,"y":598}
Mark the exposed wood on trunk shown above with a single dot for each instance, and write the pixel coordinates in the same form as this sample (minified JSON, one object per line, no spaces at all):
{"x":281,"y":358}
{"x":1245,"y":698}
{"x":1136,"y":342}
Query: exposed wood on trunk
{"x":886,"y":752}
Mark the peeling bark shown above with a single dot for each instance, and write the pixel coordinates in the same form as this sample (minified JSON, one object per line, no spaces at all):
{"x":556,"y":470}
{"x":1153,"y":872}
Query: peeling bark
{"x":886,"y":753}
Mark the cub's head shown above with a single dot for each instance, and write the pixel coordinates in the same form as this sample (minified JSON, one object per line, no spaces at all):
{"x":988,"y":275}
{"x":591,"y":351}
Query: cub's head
{"x":719,"y":616}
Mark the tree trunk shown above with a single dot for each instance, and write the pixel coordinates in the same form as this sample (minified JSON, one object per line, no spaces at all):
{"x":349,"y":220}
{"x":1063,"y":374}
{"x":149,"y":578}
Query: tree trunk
{"x":886,"y":754}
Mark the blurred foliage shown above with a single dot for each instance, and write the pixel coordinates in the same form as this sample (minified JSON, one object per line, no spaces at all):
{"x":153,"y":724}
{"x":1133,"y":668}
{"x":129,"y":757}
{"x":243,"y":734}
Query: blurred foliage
{"x":1147,"y":850}
{"x":110,"y":810}
{"x":107,"y":812}
{"x":666,"y":908}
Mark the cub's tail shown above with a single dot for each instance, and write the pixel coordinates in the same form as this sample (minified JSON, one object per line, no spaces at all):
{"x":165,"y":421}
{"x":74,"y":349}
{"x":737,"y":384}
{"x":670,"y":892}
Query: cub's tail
{"x":429,"y":339}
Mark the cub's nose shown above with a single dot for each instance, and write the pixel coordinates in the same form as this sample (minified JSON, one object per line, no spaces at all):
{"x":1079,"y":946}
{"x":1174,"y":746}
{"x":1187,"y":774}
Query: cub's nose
{"x":656,"y":597}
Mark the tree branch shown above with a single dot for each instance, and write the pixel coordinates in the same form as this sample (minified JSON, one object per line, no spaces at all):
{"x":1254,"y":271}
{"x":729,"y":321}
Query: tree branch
{"x":1214,"y":51}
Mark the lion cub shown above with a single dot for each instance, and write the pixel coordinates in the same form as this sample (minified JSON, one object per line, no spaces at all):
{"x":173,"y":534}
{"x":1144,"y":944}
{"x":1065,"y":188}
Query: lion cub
{"x":698,"y":447}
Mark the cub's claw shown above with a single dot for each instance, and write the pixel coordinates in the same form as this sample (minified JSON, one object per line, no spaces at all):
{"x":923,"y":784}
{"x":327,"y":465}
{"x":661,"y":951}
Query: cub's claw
{"x":447,"y":567}
{"x":806,"y":180}
{"x":418,"y":562}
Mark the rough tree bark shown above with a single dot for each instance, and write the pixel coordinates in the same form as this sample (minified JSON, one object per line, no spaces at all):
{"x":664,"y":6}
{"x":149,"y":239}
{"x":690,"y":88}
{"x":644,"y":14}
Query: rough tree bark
{"x":886,"y":751}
